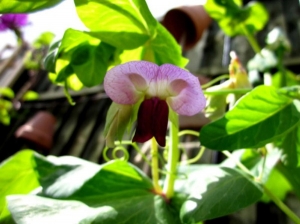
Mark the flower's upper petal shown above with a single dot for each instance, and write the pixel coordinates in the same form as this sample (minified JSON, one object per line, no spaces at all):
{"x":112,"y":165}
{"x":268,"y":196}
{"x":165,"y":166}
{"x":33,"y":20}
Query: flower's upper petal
{"x":186,"y":97}
{"x":127,"y":83}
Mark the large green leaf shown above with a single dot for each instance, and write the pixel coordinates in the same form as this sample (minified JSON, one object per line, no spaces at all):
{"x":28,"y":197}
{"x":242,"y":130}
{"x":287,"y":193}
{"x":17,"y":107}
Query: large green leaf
{"x":17,"y":176}
{"x":215,"y":191}
{"x":19,"y":6}
{"x":81,"y":54}
{"x":260,"y":117}
{"x":116,"y":192}
{"x":235,"y":20}
{"x":125,"y":24}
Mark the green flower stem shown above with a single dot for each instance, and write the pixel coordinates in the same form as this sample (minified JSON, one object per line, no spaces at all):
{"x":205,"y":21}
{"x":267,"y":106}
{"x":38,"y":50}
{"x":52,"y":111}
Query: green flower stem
{"x":281,"y":68}
{"x":253,"y":42}
{"x":219,"y":78}
{"x":66,"y":91}
{"x":282,"y":206}
{"x":195,"y":159}
{"x":155,"y":167}
{"x":238,"y":163}
{"x":227,"y":91}
{"x":173,"y":156}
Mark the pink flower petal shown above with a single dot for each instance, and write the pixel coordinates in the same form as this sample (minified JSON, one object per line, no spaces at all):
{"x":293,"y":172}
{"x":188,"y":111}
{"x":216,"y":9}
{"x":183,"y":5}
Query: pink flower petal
{"x":130,"y":82}
{"x":127,"y":83}
{"x":187,"y":97}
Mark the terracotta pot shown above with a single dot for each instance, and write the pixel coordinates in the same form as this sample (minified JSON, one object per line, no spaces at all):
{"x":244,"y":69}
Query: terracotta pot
{"x":187,"y":23}
{"x":38,"y":130}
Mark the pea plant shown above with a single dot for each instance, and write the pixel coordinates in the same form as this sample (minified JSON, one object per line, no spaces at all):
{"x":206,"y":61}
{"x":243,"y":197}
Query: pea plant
{"x":142,"y":70}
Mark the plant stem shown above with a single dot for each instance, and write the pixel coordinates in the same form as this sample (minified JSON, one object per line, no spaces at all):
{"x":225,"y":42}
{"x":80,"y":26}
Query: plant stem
{"x":173,"y":156}
{"x":282,"y":206}
{"x":253,"y":42}
{"x":227,"y":91}
{"x":238,"y":163}
{"x":281,"y":68}
{"x":219,"y":78}
{"x":154,"y":166}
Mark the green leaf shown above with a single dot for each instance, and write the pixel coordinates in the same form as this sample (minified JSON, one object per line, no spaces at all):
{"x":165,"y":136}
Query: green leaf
{"x":118,"y":120}
{"x":166,"y":49}
{"x":292,"y":175}
{"x":235,"y":20}
{"x":90,"y":63}
{"x":81,"y":54}
{"x":124,"y":24}
{"x":260,"y":117}
{"x":215,"y":191}
{"x":30,"y":95}
{"x":50,"y":59}
{"x":17,"y":176}
{"x":291,"y":91}
{"x":7,"y":92}
{"x":4,"y":116}
{"x":44,"y":39}
{"x":116,"y":192}
{"x":20,"y":6}
{"x":291,"y":148}
{"x":278,"y":185}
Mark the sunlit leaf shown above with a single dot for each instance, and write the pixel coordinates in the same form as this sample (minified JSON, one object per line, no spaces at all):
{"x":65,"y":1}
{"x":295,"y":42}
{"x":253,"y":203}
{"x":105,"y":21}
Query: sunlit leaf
{"x":161,"y":50}
{"x":30,"y":95}
{"x":125,"y":24}
{"x":7,"y":92}
{"x":81,"y":54}
{"x":215,"y":191}
{"x":116,"y":192}
{"x":258,"y":118}
{"x":292,"y":175}
{"x":118,"y":118}
{"x":17,"y":176}
{"x":237,"y":20}
{"x":44,"y":39}
{"x":278,"y":185}
{"x":19,"y":6}
{"x":50,"y":59}
{"x":166,"y":49}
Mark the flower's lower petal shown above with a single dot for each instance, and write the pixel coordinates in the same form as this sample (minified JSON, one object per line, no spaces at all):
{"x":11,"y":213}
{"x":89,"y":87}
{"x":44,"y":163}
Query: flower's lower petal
{"x":144,"y":130}
{"x":127,"y":83}
{"x":152,"y":121}
{"x":186,"y":93}
{"x":160,"y":122}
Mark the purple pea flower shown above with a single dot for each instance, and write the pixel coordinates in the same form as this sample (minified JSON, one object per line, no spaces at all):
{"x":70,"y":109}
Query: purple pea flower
{"x":157,"y":89}
{"x":12,"y":21}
